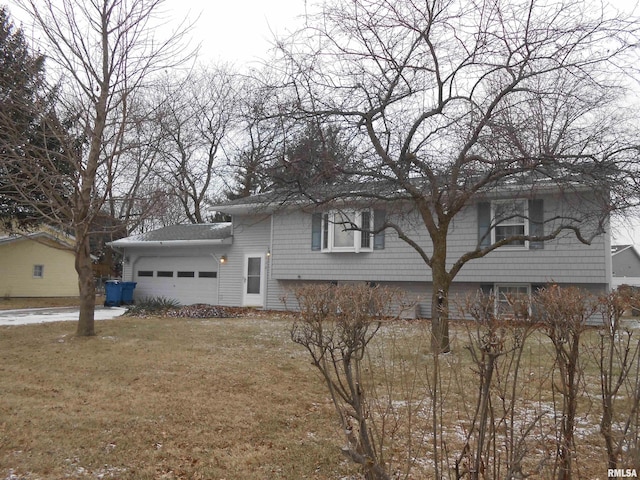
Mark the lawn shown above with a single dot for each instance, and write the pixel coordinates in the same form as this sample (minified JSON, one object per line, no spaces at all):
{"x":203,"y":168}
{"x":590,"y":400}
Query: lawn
{"x":160,"y":398}
{"x":10,"y":303}
{"x":175,"y":398}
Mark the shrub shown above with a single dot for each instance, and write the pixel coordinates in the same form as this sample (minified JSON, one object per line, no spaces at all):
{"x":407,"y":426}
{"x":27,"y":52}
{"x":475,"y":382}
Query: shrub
{"x":153,"y":305}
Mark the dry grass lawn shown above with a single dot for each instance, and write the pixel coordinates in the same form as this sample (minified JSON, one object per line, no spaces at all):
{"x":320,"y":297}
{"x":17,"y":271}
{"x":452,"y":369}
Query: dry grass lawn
{"x":163,"y":398}
{"x":10,"y":303}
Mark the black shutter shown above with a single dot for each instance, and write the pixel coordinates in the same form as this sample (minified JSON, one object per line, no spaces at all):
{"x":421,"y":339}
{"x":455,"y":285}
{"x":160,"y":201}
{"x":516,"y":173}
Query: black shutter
{"x":379,"y":217}
{"x":536,"y":223}
{"x":484,"y":224}
{"x":316,"y":231}
{"x":365,"y":225}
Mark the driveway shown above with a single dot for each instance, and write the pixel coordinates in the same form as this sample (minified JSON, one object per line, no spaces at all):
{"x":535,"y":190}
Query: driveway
{"x":58,"y":314}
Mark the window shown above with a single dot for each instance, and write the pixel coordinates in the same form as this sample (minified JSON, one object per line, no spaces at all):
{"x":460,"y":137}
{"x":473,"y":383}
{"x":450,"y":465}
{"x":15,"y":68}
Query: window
{"x":506,"y":295}
{"x":510,"y":219}
{"x":165,"y":274}
{"x":505,"y":218}
{"x":145,"y":273}
{"x":186,"y":274}
{"x":347,"y":231}
{"x":207,"y":274}
{"x":38,"y":271}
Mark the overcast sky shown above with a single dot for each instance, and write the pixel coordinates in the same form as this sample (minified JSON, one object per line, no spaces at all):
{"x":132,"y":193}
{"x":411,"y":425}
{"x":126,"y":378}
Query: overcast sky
{"x":238,"y":31}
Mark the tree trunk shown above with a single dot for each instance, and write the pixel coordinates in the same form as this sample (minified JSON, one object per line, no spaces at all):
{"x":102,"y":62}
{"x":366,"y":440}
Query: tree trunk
{"x":86,"y":287}
{"x":440,"y":301}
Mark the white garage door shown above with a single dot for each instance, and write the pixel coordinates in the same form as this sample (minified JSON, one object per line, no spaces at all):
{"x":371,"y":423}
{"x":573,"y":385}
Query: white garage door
{"x":188,"y":280}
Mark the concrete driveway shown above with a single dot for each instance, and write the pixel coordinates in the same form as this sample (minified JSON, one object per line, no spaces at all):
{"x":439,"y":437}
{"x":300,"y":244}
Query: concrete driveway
{"x":58,"y":314}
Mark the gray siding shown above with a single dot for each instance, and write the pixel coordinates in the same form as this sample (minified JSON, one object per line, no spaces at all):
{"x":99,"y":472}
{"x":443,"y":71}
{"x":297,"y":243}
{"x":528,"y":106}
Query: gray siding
{"x":251,"y":235}
{"x":626,"y":263}
{"x":417,"y":295}
{"x":564,"y":260}
{"x":293,"y":258}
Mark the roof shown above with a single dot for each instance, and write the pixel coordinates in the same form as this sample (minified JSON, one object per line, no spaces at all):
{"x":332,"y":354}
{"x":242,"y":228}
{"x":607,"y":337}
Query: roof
{"x":369,"y":191}
{"x":63,"y":240}
{"x":177,"y":235}
{"x":616,"y":249}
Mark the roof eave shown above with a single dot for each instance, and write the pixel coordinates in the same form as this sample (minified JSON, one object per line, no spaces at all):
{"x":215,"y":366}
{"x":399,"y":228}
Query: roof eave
{"x":65,"y":243}
{"x":170,"y":243}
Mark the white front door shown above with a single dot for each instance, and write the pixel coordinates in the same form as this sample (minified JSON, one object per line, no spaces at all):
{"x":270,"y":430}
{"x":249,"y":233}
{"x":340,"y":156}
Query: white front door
{"x":253,"y":295}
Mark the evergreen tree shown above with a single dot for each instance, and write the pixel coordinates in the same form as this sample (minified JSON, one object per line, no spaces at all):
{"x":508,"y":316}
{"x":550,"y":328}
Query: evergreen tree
{"x":317,"y":156}
{"x":29,"y":131}
{"x":21,"y":77}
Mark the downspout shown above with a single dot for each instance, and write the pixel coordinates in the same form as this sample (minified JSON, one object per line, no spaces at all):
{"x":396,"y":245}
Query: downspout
{"x":215,"y":257}
{"x":608,"y":257}
{"x":269,"y":261}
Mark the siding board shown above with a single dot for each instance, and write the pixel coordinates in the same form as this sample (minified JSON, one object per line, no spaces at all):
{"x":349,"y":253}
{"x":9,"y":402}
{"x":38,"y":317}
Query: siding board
{"x":564,"y":260}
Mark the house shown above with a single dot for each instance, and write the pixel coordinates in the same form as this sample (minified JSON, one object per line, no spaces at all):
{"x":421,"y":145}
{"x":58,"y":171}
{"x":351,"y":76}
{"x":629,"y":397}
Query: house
{"x":270,"y":247}
{"x":37,"y":264}
{"x":625,"y":266}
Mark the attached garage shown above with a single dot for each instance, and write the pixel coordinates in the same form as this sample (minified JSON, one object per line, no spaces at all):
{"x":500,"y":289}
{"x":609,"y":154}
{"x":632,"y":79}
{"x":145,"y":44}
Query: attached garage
{"x":188,"y":280}
{"x":180,"y":262}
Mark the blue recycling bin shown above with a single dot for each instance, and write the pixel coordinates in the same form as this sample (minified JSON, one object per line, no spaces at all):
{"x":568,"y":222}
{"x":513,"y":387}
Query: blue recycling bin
{"x":113,"y":293}
{"x":127,"y":292}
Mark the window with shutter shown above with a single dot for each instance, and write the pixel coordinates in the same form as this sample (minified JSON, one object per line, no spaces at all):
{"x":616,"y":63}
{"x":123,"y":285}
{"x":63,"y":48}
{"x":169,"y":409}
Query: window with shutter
{"x":502,"y":219}
{"x":346,"y":231}
{"x":510,"y":220}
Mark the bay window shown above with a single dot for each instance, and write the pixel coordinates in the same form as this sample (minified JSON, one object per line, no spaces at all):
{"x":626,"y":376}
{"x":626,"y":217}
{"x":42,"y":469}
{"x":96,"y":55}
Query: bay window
{"x":348,"y":231}
{"x":342,"y":231}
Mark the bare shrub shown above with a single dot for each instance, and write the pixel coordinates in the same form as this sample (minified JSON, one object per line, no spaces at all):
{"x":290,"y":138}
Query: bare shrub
{"x":336,"y":325}
{"x":496,"y":438}
{"x":563,"y":314}
{"x":619,"y":366}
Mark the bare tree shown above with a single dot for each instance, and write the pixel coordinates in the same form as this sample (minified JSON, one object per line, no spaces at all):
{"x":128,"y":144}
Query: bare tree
{"x":197,"y":121}
{"x":261,"y":137}
{"x":104,"y":53}
{"x":130,"y":179}
{"x":453,"y":100}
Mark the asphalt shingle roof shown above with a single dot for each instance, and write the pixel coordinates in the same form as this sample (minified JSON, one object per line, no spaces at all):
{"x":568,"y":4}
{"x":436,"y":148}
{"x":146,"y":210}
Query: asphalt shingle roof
{"x":202,"y":231}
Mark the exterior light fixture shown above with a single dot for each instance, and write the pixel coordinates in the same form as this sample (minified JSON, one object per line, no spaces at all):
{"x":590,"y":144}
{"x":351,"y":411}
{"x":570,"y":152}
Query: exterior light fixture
{"x":223,"y":259}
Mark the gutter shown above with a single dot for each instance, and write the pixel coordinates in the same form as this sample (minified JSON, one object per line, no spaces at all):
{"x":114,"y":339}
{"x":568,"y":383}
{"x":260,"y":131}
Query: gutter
{"x":169,"y":243}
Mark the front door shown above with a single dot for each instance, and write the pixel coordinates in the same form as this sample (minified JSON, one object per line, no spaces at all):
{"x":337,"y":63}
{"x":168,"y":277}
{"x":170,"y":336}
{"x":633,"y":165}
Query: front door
{"x":253,"y":281}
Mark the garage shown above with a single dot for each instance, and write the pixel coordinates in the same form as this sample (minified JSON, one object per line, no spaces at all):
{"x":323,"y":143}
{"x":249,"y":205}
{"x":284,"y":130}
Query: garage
{"x":179,"y":262}
{"x":188,"y":280}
